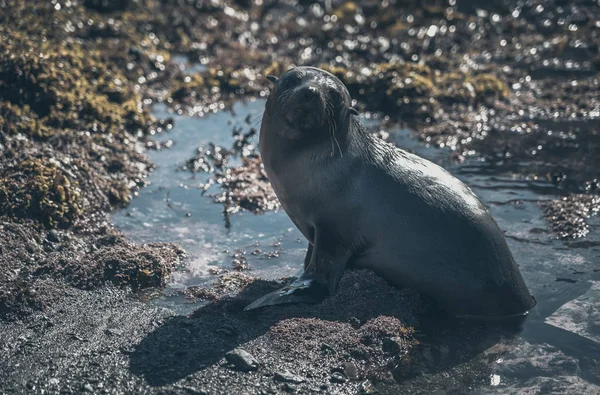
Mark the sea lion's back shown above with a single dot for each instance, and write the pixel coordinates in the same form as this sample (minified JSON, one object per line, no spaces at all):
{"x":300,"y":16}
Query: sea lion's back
{"x":437,"y":229}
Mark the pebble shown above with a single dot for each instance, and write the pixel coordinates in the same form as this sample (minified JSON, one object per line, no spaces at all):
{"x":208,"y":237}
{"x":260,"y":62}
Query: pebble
{"x":350,"y":370}
{"x":337,"y":377}
{"x":367,"y":387}
{"x":327,"y":348}
{"x":53,"y":236}
{"x":113,"y":332}
{"x":242,"y":360}
{"x":287,"y":387}
{"x":288,"y":377}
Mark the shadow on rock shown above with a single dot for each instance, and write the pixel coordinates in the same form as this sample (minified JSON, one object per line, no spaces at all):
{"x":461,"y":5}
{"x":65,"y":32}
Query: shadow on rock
{"x":364,"y":332}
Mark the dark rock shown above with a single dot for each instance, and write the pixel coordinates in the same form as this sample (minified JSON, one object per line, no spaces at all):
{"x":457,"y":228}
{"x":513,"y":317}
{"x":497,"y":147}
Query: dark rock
{"x":287,"y":377}
{"x":113,"y":332}
{"x":326,"y":348}
{"x":393,"y":345}
{"x":287,"y":387}
{"x":355,"y":322}
{"x":367,"y":387}
{"x":53,"y":236}
{"x":337,"y":377}
{"x":350,"y":370}
{"x":242,"y":360}
{"x":227,"y":331}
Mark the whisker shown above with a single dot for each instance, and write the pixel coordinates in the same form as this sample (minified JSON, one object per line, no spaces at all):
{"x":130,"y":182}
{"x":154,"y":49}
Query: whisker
{"x":283,"y":97}
{"x":333,"y":126}
{"x":258,"y":116}
{"x":338,"y":145}
{"x":330,"y":127}
{"x":258,"y":120}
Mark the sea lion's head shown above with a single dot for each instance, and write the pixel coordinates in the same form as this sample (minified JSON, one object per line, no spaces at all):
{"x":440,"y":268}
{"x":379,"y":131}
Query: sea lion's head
{"x":309,"y":103}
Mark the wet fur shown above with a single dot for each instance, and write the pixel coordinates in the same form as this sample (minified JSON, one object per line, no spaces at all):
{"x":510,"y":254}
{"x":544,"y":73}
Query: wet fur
{"x":390,"y":211}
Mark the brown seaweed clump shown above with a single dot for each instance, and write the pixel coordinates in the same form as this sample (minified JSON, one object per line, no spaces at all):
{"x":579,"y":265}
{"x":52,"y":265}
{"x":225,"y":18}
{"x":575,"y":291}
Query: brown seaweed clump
{"x":227,"y":284}
{"x":360,"y":332}
{"x":57,"y":260}
{"x":247,"y":187}
{"x":72,"y":125}
{"x":415,"y":92}
{"x":568,"y":216}
{"x":119,"y":262}
{"x":65,"y":87}
{"x":42,"y":191}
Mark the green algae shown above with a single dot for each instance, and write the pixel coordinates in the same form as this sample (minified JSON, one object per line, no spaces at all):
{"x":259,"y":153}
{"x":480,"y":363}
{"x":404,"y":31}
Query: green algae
{"x":20,"y":119}
{"x":414,"y":89}
{"x":62,"y":91}
{"x":71,"y":126}
{"x":67,"y":87}
{"x":400,"y":89}
{"x":41,"y":190}
{"x":218,"y":84}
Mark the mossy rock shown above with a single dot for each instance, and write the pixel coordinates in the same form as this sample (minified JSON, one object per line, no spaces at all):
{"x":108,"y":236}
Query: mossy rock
{"x":414,"y":91}
{"x":15,"y":119}
{"x":487,"y":85}
{"x":68,"y":87}
{"x":39,"y":189}
{"x":215,"y":84}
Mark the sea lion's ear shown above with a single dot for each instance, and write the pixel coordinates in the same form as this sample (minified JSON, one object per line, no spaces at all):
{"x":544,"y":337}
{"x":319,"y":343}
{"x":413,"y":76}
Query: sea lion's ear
{"x":353,"y":111}
{"x":273,"y":79}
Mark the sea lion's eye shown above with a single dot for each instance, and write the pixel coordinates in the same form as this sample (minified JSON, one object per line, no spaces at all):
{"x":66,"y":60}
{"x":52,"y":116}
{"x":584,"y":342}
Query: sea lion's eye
{"x":335,"y":96}
{"x":290,"y":80}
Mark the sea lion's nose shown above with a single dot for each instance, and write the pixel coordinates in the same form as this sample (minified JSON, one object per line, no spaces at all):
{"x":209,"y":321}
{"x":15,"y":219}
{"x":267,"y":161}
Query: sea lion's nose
{"x":308,"y":92}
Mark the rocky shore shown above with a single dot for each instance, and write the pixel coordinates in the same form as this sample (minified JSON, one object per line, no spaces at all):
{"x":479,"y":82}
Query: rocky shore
{"x":514,"y":84}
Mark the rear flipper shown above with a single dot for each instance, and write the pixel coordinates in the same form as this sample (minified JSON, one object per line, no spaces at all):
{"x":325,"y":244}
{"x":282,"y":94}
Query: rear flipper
{"x":323,"y":269}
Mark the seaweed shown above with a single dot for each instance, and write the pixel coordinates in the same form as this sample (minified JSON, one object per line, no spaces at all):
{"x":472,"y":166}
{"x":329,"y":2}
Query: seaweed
{"x":41,"y":190}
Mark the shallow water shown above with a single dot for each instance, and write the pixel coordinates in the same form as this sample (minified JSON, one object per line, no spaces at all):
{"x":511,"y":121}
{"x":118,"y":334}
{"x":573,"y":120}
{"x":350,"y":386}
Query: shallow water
{"x":563,"y":276}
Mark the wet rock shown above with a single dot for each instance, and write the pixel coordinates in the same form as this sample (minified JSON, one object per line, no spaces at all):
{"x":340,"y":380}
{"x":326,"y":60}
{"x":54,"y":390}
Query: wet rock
{"x":227,"y":284}
{"x":242,"y":360}
{"x":288,"y":387}
{"x":367,"y":387}
{"x":337,"y":377}
{"x":285,"y":376}
{"x":53,"y":236}
{"x":247,"y":187}
{"x":393,"y":345}
{"x":350,"y":370}
{"x":227,"y":331}
{"x":327,"y":348}
{"x":355,"y":322}
{"x":568,"y":216}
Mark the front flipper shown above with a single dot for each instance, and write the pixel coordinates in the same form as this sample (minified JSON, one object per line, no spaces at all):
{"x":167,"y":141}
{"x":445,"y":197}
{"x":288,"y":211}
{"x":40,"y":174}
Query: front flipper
{"x":300,"y":291}
{"x":324,"y":266}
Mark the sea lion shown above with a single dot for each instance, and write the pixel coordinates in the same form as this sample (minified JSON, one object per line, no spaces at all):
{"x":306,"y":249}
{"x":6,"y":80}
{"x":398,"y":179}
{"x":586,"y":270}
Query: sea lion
{"x":364,"y":203}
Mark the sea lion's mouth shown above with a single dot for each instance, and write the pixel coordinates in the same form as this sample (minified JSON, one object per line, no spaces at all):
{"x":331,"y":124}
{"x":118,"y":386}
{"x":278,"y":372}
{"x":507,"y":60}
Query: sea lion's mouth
{"x":296,"y":116}
{"x":300,"y":118}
